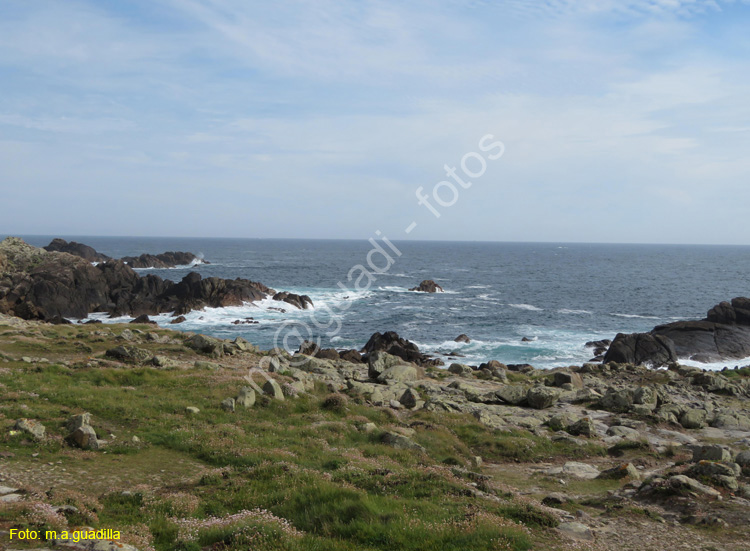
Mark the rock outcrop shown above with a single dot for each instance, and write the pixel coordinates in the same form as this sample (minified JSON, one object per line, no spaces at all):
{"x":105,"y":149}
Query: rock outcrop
{"x":38,"y":284}
{"x":428,"y":286}
{"x":723,"y":335}
{"x":391,"y":343}
{"x":77,"y":249}
{"x":164,"y":260}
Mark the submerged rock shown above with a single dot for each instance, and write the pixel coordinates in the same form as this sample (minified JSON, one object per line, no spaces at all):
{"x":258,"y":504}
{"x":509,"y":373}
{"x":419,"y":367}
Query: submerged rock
{"x":428,"y":286}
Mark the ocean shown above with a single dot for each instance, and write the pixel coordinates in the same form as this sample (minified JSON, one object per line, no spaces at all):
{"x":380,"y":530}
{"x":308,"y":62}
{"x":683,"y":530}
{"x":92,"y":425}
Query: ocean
{"x":556,"y":295}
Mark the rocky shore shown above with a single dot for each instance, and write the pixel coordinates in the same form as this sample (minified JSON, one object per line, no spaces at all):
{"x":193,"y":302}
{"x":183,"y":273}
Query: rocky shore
{"x":53,"y":286}
{"x":598,"y":456}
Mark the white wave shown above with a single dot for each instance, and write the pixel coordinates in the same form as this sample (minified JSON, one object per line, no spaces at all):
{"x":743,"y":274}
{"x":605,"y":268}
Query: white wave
{"x":567,"y":311}
{"x":394,"y":289}
{"x":717,"y":366}
{"x":529,"y":307}
{"x":479,"y":287}
{"x":635,"y":316}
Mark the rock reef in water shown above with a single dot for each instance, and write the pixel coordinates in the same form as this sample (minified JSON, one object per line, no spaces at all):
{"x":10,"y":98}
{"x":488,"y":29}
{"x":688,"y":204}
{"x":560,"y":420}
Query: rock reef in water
{"x":44,"y":285}
{"x":723,"y":335}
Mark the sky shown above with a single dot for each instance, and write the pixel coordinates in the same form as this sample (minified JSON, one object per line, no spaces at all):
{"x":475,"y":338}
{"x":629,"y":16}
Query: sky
{"x":620,"y":120}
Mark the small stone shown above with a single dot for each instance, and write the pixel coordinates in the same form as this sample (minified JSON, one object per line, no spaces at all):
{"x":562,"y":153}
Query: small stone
{"x":190,"y":410}
{"x":227,"y":404}
{"x":626,"y":470}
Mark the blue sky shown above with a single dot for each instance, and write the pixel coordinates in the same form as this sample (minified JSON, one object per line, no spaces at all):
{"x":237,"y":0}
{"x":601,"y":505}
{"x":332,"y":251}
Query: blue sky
{"x":622,"y":120}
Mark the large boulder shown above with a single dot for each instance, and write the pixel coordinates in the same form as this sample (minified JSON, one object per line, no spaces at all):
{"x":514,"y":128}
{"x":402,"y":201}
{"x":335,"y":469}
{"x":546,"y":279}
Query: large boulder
{"x":129,"y":353}
{"x":542,"y":397}
{"x":169,"y":259}
{"x":396,"y":346}
{"x":641,"y":348}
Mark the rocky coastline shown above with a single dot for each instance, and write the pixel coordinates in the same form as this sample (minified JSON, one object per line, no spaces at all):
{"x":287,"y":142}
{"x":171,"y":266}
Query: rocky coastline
{"x":608,"y":455}
{"x":578,"y":449}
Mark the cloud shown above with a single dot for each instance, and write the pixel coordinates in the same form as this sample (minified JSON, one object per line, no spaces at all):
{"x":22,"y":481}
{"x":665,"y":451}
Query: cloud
{"x":329,"y":115}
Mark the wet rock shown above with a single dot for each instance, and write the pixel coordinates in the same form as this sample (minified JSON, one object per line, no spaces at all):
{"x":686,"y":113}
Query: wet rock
{"x":462,"y":338}
{"x":178,"y":319}
{"x":428,"y":286}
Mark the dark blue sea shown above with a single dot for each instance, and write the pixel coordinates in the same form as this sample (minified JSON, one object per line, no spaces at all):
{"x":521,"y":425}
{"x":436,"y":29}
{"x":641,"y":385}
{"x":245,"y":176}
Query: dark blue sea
{"x":558,"y":295}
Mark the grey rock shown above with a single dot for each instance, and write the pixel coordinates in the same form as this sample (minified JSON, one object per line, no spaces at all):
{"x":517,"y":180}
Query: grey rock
{"x":129,"y":353}
{"x":564,"y":377}
{"x":460,"y":369}
{"x":712,"y":452}
{"x":514,"y":395}
{"x":273,"y":389}
{"x":400,"y":441}
{"x":542,"y":397}
{"x":681,"y":482}
{"x":583,"y":427}
{"x":398,"y":373}
{"x":84,"y":437}
{"x":576,"y":531}
{"x":31,"y":427}
{"x":626,"y":470}
{"x":694,"y":419}
{"x":227,"y":404}
{"x":617,"y":401}
{"x":378,"y":361}
{"x":246,"y":397}
{"x":576,"y":470}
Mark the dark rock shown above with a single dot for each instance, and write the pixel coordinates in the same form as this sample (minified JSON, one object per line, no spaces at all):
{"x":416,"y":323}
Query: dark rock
{"x":309,"y":348}
{"x":391,"y":343}
{"x":36,"y":284}
{"x":143,"y":318}
{"x":328,"y":354}
{"x":164,"y":260}
{"x":428,"y":286}
{"x":178,"y":319}
{"x":300,"y":301}
{"x":128,"y":353}
{"x":462,"y":338}
{"x":521,"y":368}
{"x":77,"y":249}
{"x":526,"y":339}
{"x":351,"y":356}
{"x":564,"y":377}
{"x":724,"y":334}
{"x":641,"y":348}
{"x":59,"y":320}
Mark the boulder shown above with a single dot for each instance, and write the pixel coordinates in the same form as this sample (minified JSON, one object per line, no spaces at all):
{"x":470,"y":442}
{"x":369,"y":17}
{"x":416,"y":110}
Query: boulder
{"x":711,"y":452}
{"x":273,"y":389}
{"x":625,"y":470}
{"x":246,"y":397}
{"x":396,"y":346}
{"x":640,"y":349}
{"x":143,"y":318}
{"x":129,"y":353}
{"x":565,"y":377}
{"x":583,"y":427}
{"x":398,"y":374}
{"x":31,"y":427}
{"x":617,"y":401}
{"x":206,"y":345}
{"x":460,"y":369}
{"x":514,"y":395}
{"x":428,"y":286}
{"x":228,"y":404}
{"x":694,"y":418}
{"x":84,"y":437}
{"x":378,"y":361}
{"x":542,"y":397}
{"x":462,"y":338}
{"x":399,"y":441}
{"x":178,"y":319}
